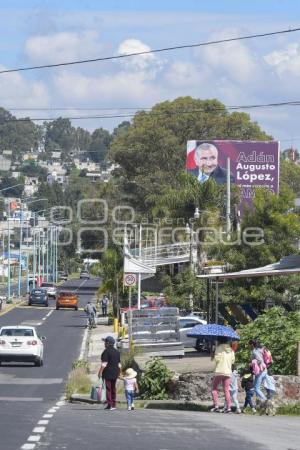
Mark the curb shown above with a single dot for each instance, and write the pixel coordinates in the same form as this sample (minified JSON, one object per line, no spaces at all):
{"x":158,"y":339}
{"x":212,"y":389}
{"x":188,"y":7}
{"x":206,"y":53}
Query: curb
{"x":150,"y":404}
{"x":77,"y":398}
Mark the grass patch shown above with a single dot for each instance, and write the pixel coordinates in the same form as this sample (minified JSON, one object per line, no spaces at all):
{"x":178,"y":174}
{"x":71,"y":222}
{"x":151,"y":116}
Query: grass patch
{"x":78,"y":382}
{"x":289,"y":410}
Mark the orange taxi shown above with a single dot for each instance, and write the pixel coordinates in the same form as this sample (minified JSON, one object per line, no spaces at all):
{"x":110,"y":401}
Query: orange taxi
{"x":67,"y":299}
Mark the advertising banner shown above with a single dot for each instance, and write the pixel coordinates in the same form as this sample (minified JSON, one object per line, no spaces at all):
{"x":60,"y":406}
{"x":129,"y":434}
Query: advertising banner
{"x":252,"y":164}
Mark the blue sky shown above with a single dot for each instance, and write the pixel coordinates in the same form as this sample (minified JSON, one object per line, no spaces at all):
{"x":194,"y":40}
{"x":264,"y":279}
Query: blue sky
{"x":257,"y":71}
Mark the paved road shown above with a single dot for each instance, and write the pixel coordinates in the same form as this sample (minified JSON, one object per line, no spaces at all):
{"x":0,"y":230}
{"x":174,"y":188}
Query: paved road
{"x":27,"y":392}
{"x":75,"y":427}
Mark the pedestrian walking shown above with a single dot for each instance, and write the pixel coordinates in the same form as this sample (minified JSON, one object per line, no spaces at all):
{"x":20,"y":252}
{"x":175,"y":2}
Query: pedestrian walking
{"x":234,"y":389}
{"x":259,"y":366}
{"x":131,"y":387}
{"x":248,"y":386}
{"x":269,"y":384}
{"x":110,"y":371}
{"x":224,"y":358}
{"x":104,"y":305}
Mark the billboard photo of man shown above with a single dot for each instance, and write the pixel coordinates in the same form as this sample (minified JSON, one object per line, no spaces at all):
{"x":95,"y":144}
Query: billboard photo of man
{"x":206,"y":159}
{"x":253,"y":164}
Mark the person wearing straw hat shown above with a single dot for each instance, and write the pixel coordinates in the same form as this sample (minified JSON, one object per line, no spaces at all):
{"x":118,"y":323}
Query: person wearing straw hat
{"x":131,"y":386}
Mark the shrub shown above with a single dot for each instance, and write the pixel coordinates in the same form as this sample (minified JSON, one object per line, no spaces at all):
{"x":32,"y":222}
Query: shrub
{"x":154,"y":381}
{"x":279,"y":332}
{"x":78,"y":382}
{"x":80,"y":363}
{"x":289,"y":410}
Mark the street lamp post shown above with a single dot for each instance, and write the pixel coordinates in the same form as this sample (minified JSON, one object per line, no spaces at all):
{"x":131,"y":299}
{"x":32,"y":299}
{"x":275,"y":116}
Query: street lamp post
{"x":193,"y":248}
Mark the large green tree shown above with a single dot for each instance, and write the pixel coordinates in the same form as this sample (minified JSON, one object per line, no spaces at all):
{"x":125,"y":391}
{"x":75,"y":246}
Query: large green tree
{"x":59,"y":136}
{"x":20,"y":136}
{"x":99,"y":144}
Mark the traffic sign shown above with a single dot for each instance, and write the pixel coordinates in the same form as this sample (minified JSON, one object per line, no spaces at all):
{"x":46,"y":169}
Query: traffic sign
{"x":129,"y":279}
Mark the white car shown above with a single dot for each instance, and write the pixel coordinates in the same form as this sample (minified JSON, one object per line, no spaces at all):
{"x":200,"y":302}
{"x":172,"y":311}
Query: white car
{"x":187,"y":323}
{"x":20,"y":343}
{"x":51,"y":289}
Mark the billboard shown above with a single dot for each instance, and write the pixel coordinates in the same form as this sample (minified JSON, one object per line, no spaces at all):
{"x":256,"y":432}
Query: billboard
{"x":252,"y":164}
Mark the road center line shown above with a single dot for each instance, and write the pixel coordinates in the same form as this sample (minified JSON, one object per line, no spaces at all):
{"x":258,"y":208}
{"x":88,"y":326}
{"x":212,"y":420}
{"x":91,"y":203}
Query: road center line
{"x":28,"y":447}
{"x":39,"y":429}
{"x":34,"y":438}
{"x":47,"y":416}
{"x":47,"y":315}
{"x":43,"y":422}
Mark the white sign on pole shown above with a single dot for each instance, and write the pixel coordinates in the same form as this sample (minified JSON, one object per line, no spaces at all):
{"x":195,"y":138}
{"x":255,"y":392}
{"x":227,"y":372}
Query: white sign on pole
{"x":129,"y":279}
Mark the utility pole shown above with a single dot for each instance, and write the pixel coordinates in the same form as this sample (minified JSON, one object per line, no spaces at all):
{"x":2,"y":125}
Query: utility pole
{"x":34,"y":253}
{"x":27,"y":259}
{"x":56,"y":255}
{"x":47,"y":254}
{"x":228,"y":202}
{"x":8,"y":254}
{"x":20,"y":251}
{"x":140,"y":275}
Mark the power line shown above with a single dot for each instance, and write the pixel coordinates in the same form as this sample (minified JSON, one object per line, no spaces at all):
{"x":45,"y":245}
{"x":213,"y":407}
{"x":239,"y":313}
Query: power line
{"x":147,"y":52}
{"x":208,"y":110}
{"x":147,"y":108}
{"x":81,"y":109}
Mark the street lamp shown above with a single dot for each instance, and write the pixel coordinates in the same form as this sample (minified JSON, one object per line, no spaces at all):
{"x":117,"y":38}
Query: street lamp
{"x":189,"y":229}
{"x":25,"y":202}
{"x":193,"y":249}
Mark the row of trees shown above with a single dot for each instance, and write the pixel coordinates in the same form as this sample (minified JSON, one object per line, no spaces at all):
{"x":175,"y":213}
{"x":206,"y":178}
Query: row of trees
{"x":22,"y":136}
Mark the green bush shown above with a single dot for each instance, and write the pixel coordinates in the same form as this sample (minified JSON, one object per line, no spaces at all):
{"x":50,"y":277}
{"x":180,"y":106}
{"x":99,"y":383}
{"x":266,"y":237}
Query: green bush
{"x":289,"y":410}
{"x":279,"y":332}
{"x":154,"y":381}
{"x":80,"y":363}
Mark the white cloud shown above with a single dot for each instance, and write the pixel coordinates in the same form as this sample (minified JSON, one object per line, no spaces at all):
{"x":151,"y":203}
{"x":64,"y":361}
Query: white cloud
{"x":121,"y":88}
{"x":149,"y":63}
{"x":64,"y":46}
{"x":232,"y":60}
{"x":286,"y":61}
{"x":16,"y":91}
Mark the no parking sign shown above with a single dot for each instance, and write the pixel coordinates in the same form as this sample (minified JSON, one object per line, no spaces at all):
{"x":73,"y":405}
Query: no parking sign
{"x":129,"y":279}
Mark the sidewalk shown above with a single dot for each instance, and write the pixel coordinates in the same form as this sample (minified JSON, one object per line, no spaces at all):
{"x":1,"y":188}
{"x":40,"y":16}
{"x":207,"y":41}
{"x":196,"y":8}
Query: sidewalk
{"x":15,"y":301}
{"x":94,"y":346}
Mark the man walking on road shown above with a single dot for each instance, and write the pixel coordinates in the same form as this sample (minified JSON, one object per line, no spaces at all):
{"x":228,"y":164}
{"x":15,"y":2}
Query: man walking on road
{"x":104,"y":304}
{"x":110,"y":370}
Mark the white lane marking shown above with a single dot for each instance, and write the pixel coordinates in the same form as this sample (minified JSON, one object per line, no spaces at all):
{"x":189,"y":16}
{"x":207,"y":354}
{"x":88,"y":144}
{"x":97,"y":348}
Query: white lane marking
{"x":83,"y":345}
{"x":61,"y":403}
{"x":34,"y":438}
{"x":55,"y":408}
{"x":47,"y":315}
{"x":39,"y":429}
{"x":52,"y":410}
{"x":10,"y":379}
{"x":28,"y":446}
{"x":31,"y":323}
{"x":43,"y":422}
{"x":47,"y":416}
{"x":21,"y":399}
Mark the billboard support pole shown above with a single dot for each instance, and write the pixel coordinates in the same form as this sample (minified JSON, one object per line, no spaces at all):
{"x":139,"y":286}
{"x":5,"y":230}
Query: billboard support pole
{"x":228,"y":201}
